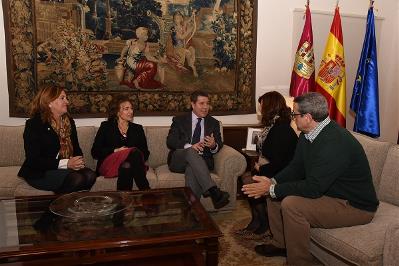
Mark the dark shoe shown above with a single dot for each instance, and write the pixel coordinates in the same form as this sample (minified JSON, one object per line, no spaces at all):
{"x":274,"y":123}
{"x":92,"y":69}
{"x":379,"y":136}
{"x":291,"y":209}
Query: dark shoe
{"x":252,"y":236}
{"x":206,"y":194}
{"x":269,"y":250}
{"x":242,"y":232}
{"x":221,"y":201}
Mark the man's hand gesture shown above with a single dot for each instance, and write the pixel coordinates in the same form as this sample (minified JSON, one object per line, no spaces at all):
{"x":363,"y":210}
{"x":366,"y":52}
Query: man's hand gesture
{"x":259,"y":188}
{"x":210,"y":142}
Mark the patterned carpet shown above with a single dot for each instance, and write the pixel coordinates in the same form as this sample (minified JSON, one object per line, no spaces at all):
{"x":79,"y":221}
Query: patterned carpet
{"x":235,"y":251}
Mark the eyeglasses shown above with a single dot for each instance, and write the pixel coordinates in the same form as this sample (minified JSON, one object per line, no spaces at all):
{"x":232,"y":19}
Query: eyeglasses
{"x":293,"y":114}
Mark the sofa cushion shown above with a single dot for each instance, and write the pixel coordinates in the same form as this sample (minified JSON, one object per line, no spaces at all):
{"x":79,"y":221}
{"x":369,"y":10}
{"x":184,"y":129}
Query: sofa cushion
{"x":9,"y":180}
{"x":24,"y":189}
{"x":376,"y":152}
{"x":12,"y":145}
{"x":156,"y":139}
{"x":104,"y":184}
{"x":101,"y":184}
{"x":86,"y":137}
{"x":354,"y":244}
{"x":389,"y":186}
{"x":11,"y":139}
{"x":166,"y":178}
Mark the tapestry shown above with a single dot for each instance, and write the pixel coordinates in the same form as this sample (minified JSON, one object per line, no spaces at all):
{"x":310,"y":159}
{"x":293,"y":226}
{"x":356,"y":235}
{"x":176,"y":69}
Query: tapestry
{"x":155,"y":51}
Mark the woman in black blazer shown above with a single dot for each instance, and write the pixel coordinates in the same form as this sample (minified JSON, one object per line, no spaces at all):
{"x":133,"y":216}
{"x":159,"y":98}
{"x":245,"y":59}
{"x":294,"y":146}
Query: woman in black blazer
{"x":276,"y":144}
{"x":120,"y":146}
{"x":54,"y":159}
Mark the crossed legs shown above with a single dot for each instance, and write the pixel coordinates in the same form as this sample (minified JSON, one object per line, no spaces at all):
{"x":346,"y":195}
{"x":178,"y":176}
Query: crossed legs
{"x":82,"y":179}
{"x":133,"y":168}
{"x":197,"y":176}
{"x":196,"y":171}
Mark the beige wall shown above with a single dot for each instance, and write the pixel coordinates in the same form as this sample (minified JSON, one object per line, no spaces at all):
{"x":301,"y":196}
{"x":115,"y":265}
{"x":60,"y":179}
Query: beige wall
{"x":275,"y":45}
{"x":274,"y":60}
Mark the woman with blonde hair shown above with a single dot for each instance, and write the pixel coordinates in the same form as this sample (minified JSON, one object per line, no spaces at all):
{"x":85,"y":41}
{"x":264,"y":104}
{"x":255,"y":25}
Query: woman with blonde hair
{"x":54,"y":160}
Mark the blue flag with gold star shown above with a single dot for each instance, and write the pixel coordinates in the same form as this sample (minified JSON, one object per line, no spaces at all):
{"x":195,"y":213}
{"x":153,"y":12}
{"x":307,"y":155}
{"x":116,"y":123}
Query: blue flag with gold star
{"x":364,"y":100}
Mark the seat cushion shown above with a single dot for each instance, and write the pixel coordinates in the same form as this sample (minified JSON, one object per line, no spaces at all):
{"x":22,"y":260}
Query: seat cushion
{"x":376,"y":152}
{"x":166,"y":178}
{"x":9,"y":180}
{"x":104,"y":184}
{"x":12,"y":145}
{"x":156,"y":138}
{"x":24,"y":189}
{"x":389,"y":186}
{"x":354,"y":243}
{"x":86,"y":137}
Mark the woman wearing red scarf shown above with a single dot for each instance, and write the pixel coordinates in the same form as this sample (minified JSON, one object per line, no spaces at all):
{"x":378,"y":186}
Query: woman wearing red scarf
{"x":120,"y":146}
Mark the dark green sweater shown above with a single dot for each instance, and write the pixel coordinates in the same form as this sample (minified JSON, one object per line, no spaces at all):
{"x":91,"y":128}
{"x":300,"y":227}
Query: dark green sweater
{"x":334,"y":165}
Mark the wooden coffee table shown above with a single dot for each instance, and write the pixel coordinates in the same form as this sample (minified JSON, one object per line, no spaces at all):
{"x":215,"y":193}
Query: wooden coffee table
{"x":159,"y":227}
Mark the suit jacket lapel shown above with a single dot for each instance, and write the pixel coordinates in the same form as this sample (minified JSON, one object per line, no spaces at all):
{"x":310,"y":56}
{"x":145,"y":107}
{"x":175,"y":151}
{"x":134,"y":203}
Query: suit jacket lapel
{"x":206,"y":126}
{"x":188,"y":126}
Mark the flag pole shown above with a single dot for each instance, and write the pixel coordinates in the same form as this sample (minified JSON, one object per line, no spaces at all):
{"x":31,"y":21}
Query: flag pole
{"x":337,"y":4}
{"x":306,"y":6}
{"x":371,"y":3}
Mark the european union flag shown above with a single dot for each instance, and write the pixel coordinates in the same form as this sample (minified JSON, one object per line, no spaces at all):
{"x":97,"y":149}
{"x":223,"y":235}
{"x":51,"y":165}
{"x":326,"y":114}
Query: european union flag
{"x":364,"y":100}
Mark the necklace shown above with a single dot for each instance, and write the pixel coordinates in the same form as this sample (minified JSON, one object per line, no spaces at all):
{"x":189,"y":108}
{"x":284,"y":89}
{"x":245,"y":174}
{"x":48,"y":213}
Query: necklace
{"x":123,"y":129}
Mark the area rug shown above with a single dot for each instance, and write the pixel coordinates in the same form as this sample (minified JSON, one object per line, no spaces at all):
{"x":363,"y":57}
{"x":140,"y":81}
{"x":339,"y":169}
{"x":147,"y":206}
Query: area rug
{"x":234,"y":250}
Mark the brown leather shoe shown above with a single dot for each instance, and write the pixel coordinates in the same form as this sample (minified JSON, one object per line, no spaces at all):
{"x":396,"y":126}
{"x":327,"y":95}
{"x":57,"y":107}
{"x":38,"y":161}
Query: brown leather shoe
{"x":269,"y":250}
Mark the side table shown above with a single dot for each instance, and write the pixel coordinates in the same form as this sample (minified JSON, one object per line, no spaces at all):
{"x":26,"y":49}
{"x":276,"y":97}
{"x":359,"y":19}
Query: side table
{"x":251,"y":157}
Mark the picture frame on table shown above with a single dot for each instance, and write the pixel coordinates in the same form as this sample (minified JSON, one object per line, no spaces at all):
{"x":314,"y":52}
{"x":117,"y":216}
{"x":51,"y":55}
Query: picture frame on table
{"x":252,"y":138}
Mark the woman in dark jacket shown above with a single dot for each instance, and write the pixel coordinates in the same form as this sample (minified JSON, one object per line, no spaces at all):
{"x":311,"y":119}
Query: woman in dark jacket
{"x":54,"y":160}
{"x":276,"y":145}
{"x":121,"y":148}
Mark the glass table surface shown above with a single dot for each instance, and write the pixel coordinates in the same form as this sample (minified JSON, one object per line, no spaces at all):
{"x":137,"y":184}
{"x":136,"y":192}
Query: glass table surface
{"x":96,"y":216}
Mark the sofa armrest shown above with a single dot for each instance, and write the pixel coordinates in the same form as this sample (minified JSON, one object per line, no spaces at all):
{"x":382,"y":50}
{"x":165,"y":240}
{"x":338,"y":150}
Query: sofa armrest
{"x":229,"y":165}
{"x":391,"y":244}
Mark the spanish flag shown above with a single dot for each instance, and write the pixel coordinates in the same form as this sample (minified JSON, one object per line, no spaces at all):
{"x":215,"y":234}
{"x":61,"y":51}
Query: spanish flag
{"x":331,"y":78}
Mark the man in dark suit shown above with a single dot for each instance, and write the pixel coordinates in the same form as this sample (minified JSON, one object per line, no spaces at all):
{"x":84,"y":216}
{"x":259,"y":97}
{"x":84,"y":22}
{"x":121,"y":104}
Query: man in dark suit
{"x":193,"y":140}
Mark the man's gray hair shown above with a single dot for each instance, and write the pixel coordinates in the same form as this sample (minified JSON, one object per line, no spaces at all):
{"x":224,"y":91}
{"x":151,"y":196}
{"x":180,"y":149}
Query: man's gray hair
{"x":313,"y":103}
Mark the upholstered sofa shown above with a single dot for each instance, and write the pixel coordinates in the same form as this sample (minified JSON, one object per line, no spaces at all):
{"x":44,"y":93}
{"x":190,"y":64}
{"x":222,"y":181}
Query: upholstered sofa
{"x":376,"y":243}
{"x":229,"y":164}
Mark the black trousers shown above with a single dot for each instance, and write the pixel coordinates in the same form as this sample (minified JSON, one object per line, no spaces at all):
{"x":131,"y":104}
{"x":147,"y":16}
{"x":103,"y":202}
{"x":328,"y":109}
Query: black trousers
{"x":132,"y":169}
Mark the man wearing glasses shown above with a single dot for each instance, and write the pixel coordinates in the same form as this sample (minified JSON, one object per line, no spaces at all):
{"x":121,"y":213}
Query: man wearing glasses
{"x":327,"y":184}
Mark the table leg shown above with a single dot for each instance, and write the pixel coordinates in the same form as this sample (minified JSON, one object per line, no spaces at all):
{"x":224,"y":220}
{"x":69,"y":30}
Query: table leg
{"x":212,"y":251}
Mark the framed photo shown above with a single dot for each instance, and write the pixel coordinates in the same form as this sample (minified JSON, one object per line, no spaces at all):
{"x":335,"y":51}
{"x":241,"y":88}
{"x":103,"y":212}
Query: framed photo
{"x":155,"y":51}
{"x":252,"y":138}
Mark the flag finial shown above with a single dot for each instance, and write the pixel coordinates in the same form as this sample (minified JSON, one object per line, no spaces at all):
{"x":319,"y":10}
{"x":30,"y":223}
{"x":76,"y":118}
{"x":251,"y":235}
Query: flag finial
{"x":371,"y":3}
{"x":337,"y":4}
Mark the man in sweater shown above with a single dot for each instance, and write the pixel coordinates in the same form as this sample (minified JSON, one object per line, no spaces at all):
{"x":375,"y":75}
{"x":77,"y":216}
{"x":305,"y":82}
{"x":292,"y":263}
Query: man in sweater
{"x":327,"y":184}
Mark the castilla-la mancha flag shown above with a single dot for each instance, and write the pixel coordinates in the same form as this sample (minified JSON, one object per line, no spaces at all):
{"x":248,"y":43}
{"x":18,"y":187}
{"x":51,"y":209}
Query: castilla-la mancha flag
{"x":331,"y":78}
{"x":302,"y":78}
